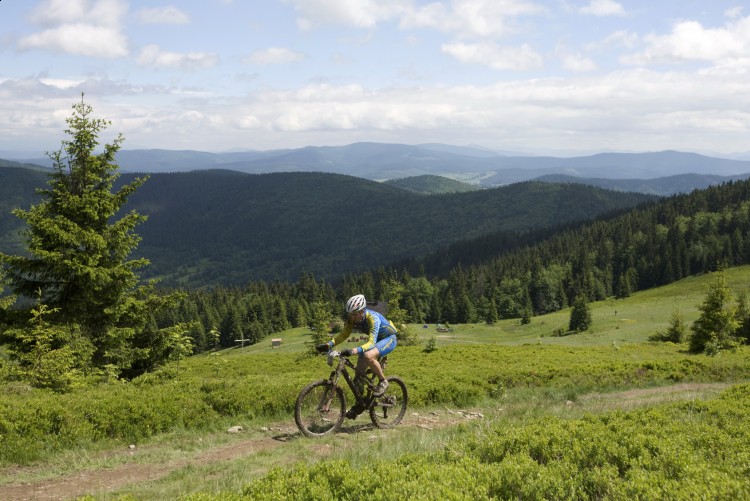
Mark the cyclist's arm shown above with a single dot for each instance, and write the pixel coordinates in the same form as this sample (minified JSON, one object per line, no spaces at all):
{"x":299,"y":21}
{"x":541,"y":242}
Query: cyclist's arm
{"x":373,"y":326}
{"x":341,"y":336}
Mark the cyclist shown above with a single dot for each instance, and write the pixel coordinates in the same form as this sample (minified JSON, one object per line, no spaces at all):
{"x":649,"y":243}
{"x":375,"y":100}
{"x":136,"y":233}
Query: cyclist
{"x":381,"y":341}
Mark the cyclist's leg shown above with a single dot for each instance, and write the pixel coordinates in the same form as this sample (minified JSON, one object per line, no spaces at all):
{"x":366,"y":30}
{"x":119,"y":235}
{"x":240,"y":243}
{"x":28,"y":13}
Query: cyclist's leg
{"x":382,"y":348}
{"x":359,"y":381}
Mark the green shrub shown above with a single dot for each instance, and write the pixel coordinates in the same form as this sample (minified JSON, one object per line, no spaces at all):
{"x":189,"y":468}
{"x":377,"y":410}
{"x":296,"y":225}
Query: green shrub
{"x":35,"y":423}
{"x":675,"y":451}
{"x":431,"y":345}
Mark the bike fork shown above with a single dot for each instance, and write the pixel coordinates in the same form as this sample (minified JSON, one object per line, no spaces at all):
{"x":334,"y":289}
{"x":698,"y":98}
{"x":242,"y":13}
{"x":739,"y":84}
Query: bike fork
{"x":327,"y":398}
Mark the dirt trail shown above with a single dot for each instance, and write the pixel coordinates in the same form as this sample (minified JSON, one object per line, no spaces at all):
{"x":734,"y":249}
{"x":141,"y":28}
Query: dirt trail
{"x":85,"y":482}
{"x":106,"y":480}
{"x":89,"y":481}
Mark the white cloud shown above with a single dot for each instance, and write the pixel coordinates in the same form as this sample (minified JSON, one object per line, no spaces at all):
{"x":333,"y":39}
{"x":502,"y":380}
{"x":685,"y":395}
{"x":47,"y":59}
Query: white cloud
{"x":163,"y":15}
{"x":61,"y":83}
{"x":483,"y":18}
{"x":358,"y":13}
{"x":275,"y":55}
{"x":704,"y":106}
{"x":467,"y":17}
{"x":78,"y":38}
{"x":99,"y":12}
{"x":83,"y":27}
{"x":689,"y":40}
{"x":153,"y":56}
{"x":734,"y":12}
{"x":603,"y":8}
{"x":495,"y":56}
{"x":620,"y":38}
{"x":54,"y":12}
{"x":328,"y":108}
{"x":614,"y":111}
{"x":625,"y":111}
{"x":577,"y":62}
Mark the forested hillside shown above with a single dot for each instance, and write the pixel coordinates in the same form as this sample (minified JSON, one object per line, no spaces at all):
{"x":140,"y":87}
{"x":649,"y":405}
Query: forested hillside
{"x":17,"y":186}
{"x":432,"y":185}
{"x":662,"y":186}
{"x":223,"y":227}
{"x":649,"y":246}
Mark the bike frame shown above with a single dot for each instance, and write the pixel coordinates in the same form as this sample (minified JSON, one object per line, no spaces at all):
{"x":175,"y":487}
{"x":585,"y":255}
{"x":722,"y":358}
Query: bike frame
{"x":340,"y":370}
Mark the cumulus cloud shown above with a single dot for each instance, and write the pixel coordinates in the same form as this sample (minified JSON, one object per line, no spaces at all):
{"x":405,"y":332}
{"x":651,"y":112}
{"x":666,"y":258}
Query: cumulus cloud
{"x":603,"y":8}
{"x":275,"y":55}
{"x":613,"y":111}
{"x":495,"y":56}
{"x":734,"y":12}
{"x":468,"y":17}
{"x":690,"y":41}
{"x":325,"y":107}
{"x":83,"y":27}
{"x":358,"y":13}
{"x":620,"y":38}
{"x":577,"y":62}
{"x":629,"y":109}
{"x":153,"y":56}
{"x":79,"y":38}
{"x":163,"y":15}
{"x":483,"y":18}
{"x":62,"y":83}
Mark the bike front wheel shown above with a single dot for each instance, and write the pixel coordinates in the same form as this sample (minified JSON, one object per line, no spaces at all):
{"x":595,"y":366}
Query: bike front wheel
{"x":388,"y":410}
{"x":320,"y":409}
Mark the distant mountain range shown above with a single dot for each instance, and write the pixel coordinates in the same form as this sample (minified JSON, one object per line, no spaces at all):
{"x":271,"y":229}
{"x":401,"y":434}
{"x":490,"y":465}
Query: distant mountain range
{"x":379,"y":162}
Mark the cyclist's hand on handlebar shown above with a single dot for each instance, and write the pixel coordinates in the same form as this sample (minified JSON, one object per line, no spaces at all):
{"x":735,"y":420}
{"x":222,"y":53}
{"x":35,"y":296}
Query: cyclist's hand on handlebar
{"x":349,"y":352}
{"x":323,"y":348}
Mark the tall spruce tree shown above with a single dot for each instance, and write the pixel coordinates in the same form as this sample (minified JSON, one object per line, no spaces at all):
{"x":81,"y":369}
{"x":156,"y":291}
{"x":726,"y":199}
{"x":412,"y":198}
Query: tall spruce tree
{"x":77,"y":262}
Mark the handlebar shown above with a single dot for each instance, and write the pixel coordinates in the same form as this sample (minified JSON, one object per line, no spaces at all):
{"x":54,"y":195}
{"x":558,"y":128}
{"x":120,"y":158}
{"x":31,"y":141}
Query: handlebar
{"x":331,"y":355}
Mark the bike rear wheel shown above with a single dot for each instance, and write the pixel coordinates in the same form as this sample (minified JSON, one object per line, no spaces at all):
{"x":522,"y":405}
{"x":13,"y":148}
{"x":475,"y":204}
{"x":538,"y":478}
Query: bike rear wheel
{"x":319,"y":409}
{"x":388,"y":410}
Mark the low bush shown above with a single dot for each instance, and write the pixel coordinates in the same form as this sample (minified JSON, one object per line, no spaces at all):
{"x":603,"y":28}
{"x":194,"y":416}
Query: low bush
{"x":35,"y":423}
{"x":676,"y":451}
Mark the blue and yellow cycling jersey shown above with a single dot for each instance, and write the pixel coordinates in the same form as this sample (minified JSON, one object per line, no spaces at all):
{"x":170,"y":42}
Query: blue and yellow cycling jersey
{"x":375,"y":325}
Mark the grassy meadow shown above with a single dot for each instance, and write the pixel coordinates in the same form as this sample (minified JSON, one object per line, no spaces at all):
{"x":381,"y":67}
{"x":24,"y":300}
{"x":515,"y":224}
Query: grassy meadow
{"x":547,"y":429}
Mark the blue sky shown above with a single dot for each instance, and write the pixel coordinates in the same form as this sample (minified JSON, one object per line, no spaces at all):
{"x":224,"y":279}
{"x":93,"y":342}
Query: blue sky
{"x":560,"y":77}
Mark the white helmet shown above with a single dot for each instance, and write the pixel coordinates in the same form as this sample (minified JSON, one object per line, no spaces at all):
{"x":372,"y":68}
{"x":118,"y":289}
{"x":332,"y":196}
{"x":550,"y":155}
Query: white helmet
{"x":356,"y":303}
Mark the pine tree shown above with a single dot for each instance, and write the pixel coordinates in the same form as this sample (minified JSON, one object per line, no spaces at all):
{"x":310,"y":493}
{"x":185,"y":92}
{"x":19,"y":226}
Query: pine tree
{"x":320,"y":319}
{"x":675,"y":333}
{"x":5,"y":301}
{"x":491,"y":316}
{"x":715,"y":328}
{"x":392,"y":292}
{"x":44,"y":353}
{"x":78,"y":251}
{"x":580,"y":315}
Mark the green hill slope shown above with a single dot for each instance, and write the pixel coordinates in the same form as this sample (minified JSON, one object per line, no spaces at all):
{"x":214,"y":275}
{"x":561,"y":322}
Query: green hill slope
{"x":431,"y":185}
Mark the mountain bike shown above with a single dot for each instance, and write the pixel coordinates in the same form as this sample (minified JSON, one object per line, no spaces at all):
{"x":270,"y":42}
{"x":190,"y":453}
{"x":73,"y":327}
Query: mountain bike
{"x":321,"y":406}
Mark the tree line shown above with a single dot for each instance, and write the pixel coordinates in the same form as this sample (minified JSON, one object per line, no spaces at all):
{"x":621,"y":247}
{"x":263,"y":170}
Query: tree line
{"x":653,"y":245}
